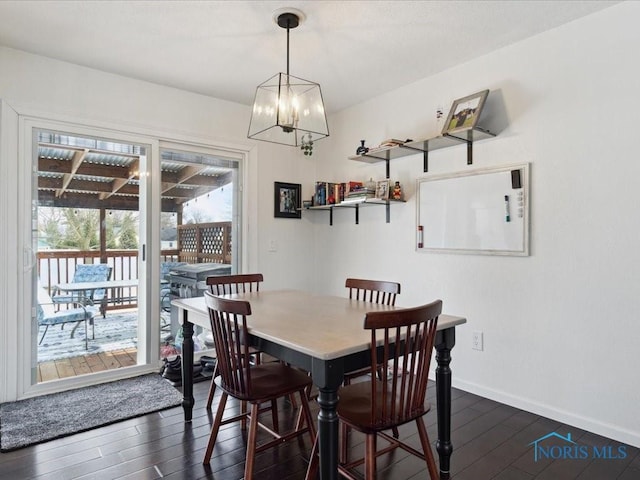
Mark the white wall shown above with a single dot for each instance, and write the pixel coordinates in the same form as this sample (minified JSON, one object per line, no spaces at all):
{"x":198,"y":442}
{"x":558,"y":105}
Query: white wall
{"x":65,"y":91}
{"x":561,"y":326}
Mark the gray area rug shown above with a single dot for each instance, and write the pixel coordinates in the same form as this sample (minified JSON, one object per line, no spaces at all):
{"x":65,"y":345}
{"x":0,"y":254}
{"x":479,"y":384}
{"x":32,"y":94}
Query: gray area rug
{"x":44,"y":418}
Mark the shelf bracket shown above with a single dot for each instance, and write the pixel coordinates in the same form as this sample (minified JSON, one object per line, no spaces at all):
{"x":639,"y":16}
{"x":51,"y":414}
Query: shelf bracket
{"x":331,"y":216}
{"x":469,"y":152}
{"x":357,"y":214}
{"x":425,"y":161}
{"x":388,"y":169}
{"x":388,"y":207}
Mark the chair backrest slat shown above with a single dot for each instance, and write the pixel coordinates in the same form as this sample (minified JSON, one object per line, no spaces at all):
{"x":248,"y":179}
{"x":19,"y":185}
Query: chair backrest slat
{"x":374,"y":291}
{"x":400,"y":374}
{"x":240,"y":283}
{"x":229,"y":327}
{"x":92,"y":272}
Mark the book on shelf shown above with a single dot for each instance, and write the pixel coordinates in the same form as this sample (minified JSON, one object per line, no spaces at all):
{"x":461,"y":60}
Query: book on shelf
{"x":392,"y":142}
{"x":359,"y":198}
{"x":320,"y":196}
{"x":350,"y":200}
{"x":361,"y":191}
{"x":329,"y":193}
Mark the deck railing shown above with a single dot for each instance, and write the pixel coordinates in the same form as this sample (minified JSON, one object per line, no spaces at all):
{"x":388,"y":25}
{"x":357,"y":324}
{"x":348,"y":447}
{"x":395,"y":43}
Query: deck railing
{"x":197,"y":243}
{"x":205,"y":242}
{"x":58,"y":266}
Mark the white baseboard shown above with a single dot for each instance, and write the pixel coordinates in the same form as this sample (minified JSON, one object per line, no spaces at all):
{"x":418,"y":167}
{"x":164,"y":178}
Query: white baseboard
{"x":592,"y":425}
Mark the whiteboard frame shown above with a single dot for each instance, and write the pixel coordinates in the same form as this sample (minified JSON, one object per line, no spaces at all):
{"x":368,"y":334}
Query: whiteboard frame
{"x":525,"y":176}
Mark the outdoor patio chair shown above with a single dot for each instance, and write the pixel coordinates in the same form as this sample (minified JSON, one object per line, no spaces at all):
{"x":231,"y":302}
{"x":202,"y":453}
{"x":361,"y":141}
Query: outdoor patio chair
{"x":87,"y":272}
{"x":83,"y":311}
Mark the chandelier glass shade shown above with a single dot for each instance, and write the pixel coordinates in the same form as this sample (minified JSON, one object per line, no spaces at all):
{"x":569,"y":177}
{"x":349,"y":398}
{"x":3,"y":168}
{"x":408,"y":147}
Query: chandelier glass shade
{"x":288,"y":108}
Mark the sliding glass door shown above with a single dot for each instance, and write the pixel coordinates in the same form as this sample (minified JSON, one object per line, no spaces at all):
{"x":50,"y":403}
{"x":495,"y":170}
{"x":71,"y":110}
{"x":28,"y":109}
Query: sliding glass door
{"x":200,"y":233}
{"x":88,"y":237}
{"x":116,"y":226}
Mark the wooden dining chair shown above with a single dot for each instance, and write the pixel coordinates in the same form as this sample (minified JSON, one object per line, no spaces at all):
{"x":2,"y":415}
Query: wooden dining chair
{"x":395,"y":397}
{"x":255,"y":384}
{"x":374,"y":291}
{"x":228,"y":284}
{"x":239,"y":283}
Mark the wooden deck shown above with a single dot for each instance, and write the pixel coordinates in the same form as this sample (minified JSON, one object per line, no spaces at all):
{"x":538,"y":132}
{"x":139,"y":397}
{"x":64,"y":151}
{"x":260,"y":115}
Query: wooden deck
{"x":72,"y":367}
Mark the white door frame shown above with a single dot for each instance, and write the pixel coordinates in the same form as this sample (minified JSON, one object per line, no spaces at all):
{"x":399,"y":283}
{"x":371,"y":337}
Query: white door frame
{"x":17,"y":163}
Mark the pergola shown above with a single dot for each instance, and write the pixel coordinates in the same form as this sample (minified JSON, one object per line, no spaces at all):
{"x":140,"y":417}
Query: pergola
{"x":81,"y":177}
{"x":75,"y":172}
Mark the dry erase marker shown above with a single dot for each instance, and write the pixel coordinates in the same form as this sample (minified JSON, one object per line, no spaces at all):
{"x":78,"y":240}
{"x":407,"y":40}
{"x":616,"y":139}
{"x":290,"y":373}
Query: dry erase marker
{"x":507,"y":218}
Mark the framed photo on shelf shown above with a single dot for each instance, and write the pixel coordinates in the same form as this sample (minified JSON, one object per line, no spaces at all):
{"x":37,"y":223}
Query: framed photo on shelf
{"x":382,"y":189}
{"x":286,"y":201}
{"x":465,"y":112}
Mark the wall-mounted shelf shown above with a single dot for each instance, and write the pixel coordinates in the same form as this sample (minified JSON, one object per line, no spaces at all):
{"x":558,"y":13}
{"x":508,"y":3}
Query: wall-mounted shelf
{"x":356,"y":206}
{"x":384,"y":154}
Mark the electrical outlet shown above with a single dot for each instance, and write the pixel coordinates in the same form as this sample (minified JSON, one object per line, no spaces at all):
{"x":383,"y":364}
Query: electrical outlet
{"x":476,"y":341}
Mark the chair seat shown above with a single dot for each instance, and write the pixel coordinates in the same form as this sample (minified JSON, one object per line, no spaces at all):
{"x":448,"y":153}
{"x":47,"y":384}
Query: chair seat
{"x":270,"y":380}
{"x":355,"y":406}
{"x":68,"y":316}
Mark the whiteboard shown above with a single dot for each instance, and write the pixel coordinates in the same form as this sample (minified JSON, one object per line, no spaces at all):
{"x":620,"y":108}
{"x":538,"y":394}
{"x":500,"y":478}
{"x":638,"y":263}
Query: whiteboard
{"x":483,"y":211}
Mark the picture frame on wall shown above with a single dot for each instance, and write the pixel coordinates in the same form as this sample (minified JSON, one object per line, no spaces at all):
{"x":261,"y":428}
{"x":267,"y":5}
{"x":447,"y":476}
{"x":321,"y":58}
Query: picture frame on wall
{"x":287,"y":198}
{"x":465,"y":112}
{"x":382,"y":189}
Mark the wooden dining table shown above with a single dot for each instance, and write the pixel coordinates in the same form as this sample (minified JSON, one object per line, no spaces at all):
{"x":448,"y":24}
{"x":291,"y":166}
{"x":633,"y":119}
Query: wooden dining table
{"x":324,"y":335}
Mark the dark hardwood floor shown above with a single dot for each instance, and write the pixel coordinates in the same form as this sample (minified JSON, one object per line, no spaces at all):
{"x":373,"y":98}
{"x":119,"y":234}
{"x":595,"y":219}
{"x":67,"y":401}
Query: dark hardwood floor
{"x":491,"y":441}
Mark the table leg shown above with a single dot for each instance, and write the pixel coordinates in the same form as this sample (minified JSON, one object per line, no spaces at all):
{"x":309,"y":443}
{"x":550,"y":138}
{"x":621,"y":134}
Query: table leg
{"x":328,"y":433}
{"x":187,"y":367}
{"x":445,"y":340}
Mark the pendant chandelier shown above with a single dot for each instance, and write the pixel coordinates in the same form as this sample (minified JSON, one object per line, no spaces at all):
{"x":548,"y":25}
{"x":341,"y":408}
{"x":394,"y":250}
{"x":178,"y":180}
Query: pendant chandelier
{"x":288,"y":109}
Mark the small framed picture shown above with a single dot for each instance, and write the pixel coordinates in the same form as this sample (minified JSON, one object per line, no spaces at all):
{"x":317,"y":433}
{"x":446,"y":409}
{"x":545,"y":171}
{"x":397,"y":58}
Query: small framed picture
{"x":465,"y":112}
{"x":286,"y":202}
{"x":382,"y":189}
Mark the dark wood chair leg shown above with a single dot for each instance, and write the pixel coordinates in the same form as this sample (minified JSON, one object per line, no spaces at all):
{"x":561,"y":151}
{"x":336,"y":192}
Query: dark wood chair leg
{"x":344,"y":443}
{"x":212,"y":387}
{"x":314,"y":462}
{"x":426,"y":447}
{"x":215,"y":429}
{"x":251,"y":441}
{"x":243,"y":409}
{"x":370,"y":456}
{"x":274,"y":416}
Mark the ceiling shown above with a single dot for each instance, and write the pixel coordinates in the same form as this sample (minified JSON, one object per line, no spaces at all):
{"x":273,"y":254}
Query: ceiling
{"x":356,"y":50}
